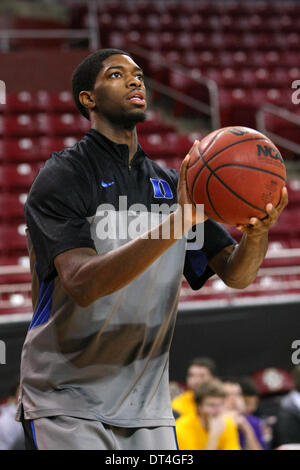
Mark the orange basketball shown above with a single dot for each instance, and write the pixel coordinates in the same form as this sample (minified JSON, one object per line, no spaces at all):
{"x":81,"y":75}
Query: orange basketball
{"x":235,"y":172}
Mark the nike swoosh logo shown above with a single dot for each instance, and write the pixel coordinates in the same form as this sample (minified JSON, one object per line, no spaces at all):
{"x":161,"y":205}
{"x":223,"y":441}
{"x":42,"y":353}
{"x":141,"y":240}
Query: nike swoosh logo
{"x":105,"y":185}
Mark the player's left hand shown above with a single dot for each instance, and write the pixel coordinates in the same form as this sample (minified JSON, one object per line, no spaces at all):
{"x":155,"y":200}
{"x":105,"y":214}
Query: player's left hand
{"x":257,"y":227}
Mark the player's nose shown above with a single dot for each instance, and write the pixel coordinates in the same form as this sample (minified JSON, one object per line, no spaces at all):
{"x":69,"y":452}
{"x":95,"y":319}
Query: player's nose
{"x":134,"y":82}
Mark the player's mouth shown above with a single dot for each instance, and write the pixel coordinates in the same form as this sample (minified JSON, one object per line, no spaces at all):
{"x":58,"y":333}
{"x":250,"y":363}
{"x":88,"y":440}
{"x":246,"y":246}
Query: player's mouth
{"x":137,"y":97}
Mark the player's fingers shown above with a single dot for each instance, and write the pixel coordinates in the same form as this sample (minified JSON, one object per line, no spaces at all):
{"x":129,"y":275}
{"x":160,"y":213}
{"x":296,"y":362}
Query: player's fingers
{"x":272,"y":213}
{"x":254,"y":222}
{"x":185,"y":162}
{"x":193,"y":147}
{"x":283,"y":200}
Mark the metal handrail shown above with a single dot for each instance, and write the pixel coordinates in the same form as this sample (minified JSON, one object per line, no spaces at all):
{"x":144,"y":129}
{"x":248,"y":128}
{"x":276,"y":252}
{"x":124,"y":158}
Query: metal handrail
{"x":212,"y":109}
{"x":284,"y":114}
{"x":92,"y":33}
{"x":284,"y":253}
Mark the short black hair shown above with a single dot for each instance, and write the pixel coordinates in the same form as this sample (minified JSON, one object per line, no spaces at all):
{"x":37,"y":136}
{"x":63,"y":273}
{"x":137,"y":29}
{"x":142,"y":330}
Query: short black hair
{"x":206,"y":362}
{"x":249,"y":388}
{"x":85,"y":74}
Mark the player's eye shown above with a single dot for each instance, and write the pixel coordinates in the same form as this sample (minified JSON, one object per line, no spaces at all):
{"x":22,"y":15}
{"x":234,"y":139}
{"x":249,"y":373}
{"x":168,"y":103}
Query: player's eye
{"x":115,"y":75}
{"x":140,"y":76}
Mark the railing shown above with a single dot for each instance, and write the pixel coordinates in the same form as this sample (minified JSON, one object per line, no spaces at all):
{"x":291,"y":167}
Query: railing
{"x":91,"y":33}
{"x":281,"y":113}
{"x":211,"y":109}
{"x":24,"y":288}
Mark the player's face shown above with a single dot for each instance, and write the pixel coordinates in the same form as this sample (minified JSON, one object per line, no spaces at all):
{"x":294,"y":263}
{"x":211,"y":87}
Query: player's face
{"x":211,"y":407}
{"x":196,"y":376}
{"x":119,"y":91}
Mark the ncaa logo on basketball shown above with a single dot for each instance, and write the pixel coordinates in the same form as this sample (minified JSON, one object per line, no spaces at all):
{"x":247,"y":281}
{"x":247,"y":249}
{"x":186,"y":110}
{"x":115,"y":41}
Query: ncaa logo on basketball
{"x":266,"y":151}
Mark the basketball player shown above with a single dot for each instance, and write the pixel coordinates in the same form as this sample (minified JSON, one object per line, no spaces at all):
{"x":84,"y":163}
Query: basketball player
{"x":94,"y":372}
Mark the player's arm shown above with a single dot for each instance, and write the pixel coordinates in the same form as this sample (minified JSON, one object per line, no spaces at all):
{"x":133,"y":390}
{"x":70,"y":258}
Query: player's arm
{"x":238,"y":265}
{"x":86,"y":275}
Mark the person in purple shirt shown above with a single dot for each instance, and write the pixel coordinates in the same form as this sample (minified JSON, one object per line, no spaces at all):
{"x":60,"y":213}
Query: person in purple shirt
{"x":249,"y":426}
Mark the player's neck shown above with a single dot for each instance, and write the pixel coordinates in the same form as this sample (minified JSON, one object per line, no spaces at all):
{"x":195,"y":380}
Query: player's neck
{"x":119,"y":135}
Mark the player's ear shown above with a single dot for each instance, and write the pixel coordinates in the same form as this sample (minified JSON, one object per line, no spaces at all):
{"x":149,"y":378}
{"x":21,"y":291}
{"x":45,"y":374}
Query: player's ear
{"x":87,"y":100}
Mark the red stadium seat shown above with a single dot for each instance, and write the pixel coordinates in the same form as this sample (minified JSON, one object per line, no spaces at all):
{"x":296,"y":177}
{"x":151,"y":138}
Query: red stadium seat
{"x":22,"y":102}
{"x":150,"y":23}
{"x":60,"y":102}
{"x":15,"y":310}
{"x":12,"y":206}
{"x":117,"y":40}
{"x":154,"y":124}
{"x":14,"y":260}
{"x":294,"y":193}
{"x":21,"y":125}
{"x":12,"y":239}
{"x":47,"y":145}
{"x":62,"y":124}
{"x":19,"y":177}
{"x":24,"y":149}
{"x":167,"y":145}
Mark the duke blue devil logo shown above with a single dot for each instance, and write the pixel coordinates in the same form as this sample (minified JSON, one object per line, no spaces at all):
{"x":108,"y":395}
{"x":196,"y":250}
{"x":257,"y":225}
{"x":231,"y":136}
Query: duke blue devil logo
{"x":161,"y":188}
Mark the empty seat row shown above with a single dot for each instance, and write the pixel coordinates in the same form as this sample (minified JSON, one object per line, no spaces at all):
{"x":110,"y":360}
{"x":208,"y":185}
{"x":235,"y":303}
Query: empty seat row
{"x":18,"y":177}
{"x":42,"y":100}
{"x":205,"y":41}
{"x":222,"y":59}
{"x":32,"y":149}
{"x":43,"y":124}
{"x":196,"y":22}
{"x":177,"y":8}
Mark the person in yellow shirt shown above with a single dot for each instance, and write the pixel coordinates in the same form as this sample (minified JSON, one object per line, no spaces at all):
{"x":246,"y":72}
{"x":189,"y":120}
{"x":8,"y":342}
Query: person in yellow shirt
{"x":200,"y":370}
{"x":208,"y":428}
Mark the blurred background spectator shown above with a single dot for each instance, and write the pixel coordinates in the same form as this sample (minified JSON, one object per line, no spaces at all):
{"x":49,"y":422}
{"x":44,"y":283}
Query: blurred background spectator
{"x":200,"y":371}
{"x":208,"y":64}
{"x":208,"y":428}
{"x":249,"y":426}
{"x":11,"y":432}
{"x":287,"y":428}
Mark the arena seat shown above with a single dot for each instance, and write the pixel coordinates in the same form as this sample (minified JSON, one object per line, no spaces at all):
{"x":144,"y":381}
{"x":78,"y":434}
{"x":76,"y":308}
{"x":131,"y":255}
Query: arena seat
{"x":22,"y":102}
{"x":60,"y":102}
{"x":25,"y":149}
{"x":13,"y":239}
{"x":62,"y":124}
{"x":10,"y":310}
{"x":167,"y":145}
{"x":19,"y":125}
{"x":12,"y":206}
{"x":17,"y":177}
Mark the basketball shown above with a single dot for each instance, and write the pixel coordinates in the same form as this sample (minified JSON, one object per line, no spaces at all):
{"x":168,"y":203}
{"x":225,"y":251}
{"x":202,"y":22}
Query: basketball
{"x":235,"y":172}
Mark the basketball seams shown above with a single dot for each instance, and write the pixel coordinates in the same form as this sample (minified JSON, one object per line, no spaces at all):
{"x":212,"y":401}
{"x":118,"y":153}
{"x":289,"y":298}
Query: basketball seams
{"x":217,"y":153}
{"x":205,"y":163}
{"x":208,"y":146}
{"x":240,"y":165}
{"x":210,"y":201}
{"x":232,"y":192}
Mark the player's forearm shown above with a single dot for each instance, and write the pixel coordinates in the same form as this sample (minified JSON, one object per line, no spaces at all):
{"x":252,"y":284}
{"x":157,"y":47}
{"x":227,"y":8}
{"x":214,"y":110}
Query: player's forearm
{"x":243,"y":264}
{"x":104,"y":274}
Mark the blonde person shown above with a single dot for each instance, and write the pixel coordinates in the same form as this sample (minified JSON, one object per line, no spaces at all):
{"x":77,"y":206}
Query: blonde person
{"x":208,"y":428}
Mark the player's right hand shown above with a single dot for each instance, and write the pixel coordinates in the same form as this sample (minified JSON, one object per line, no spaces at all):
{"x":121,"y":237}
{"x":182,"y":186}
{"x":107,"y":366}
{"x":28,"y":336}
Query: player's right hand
{"x":192,"y":214}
